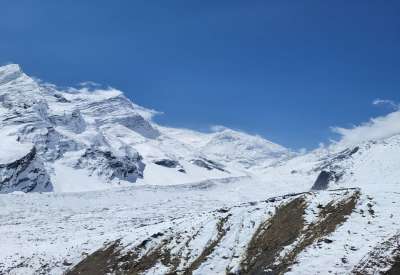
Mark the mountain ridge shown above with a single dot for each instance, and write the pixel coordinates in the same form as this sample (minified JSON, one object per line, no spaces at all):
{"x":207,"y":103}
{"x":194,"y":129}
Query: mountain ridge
{"x":62,"y":123}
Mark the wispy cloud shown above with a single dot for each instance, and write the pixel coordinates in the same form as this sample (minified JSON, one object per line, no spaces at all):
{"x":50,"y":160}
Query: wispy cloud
{"x":386,"y":102}
{"x":375,"y":128}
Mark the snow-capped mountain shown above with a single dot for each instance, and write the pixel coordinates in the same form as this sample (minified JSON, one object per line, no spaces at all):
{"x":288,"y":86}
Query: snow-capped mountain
{"x":105,"y":190}
{"x":230,"y":146}
{"x":103,"y":139}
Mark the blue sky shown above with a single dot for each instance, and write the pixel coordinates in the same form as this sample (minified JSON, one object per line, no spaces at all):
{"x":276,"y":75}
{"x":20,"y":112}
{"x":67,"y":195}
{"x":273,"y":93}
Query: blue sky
{"x":287,"y":70}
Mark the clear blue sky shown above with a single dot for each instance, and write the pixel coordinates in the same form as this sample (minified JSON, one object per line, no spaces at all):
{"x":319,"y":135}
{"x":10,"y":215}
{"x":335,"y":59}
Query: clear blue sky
{"x":287,"y":70}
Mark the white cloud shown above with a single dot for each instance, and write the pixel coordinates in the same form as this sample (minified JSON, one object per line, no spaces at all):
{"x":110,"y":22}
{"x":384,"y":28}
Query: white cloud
{"x":376,"y":128}
{"x":386,"y":102}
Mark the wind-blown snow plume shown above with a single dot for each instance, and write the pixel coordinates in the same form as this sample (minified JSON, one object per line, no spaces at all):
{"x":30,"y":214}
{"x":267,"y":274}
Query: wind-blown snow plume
{"x":376,"y":128}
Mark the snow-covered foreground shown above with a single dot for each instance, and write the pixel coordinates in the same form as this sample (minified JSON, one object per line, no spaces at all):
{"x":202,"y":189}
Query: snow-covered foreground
{"x":49,"y":233}
{"x":40,"y":229}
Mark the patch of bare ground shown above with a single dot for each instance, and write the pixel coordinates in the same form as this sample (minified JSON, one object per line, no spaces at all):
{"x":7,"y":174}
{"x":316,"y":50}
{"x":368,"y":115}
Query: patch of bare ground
{"x":102,"y":261}
{"x":209,"y":249}
{"x":111,"y":260}
{"x":385,"y":256}
{"x":160,"y":254}
{"x":273,"y":235}
{"x":287,"y":226}
{"x":331,"y":216}
{"x":395,"y":269}
{"x":263,"y":256}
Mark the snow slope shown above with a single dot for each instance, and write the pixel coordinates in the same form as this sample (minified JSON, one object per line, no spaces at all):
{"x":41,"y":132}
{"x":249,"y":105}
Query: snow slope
{"x":11,"y":149}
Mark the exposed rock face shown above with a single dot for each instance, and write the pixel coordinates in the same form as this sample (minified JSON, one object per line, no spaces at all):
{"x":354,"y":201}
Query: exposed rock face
{"x":105,"y":163}
{"x":169,"y":163}
{"x":332,"y":168}
{"x":323,"y":180}
{"x":208,"y":164}
{"x":385,"y":255}
{"x":26,"y":174}
{"x":60,"y":98}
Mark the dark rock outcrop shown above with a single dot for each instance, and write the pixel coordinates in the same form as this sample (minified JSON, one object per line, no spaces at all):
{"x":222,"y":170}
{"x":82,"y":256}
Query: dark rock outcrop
{"x":332,"y":168}
{"x":208,"y":164}
{"x":105,"y":163}
{"x":26,"y":174}
{"x":60,"y":98}
{"x":323,"y":180}
{"x":169,"y":163}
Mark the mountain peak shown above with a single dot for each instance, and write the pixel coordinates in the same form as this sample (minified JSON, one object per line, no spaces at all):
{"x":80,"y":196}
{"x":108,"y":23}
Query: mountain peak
{"x":10,"y":69}
{"x":9,"y":72}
